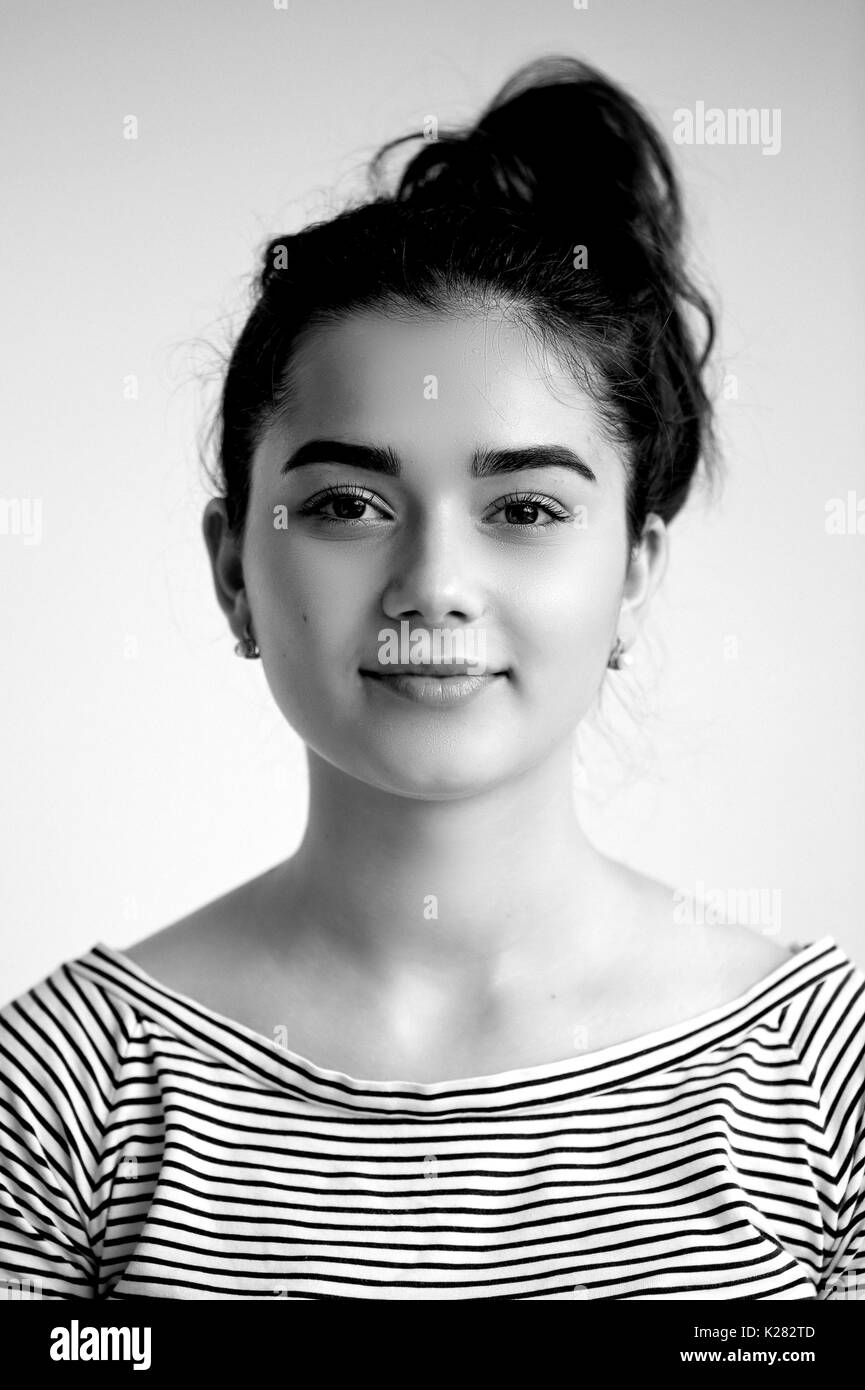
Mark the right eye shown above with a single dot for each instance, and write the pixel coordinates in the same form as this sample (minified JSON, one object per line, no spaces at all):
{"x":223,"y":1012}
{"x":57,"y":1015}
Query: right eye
{"x":346,"y":497}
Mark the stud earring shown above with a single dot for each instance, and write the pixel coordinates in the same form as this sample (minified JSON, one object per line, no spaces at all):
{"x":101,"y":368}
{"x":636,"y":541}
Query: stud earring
{"x":619,"y":657}
{"x":247,"y":645}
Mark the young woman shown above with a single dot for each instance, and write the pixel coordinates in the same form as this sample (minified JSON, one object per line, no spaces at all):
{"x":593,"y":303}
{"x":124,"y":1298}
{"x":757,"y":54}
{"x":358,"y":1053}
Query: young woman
{"x":448,"y":1049}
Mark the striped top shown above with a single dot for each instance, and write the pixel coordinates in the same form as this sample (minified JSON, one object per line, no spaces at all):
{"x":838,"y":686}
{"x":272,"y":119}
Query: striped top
{"x":150,"y":1147}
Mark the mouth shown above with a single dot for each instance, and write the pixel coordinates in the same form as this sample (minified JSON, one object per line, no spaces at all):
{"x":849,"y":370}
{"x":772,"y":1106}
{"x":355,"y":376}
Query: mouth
{"x":438,"y":686}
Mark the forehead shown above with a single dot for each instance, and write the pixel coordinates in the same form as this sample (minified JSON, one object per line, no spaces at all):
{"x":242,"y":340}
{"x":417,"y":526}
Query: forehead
{"x":471,"y":374}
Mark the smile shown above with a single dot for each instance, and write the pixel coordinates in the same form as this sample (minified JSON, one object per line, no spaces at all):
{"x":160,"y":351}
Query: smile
{"x":431,"y":689}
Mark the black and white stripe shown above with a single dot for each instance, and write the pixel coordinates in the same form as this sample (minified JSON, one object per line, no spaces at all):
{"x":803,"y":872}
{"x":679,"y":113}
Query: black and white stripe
{"x":150,"y":1147}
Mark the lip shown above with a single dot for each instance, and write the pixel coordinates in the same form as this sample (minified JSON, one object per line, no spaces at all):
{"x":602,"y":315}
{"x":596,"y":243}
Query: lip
{"x":427,"y":669}
{"x":428,"y":689}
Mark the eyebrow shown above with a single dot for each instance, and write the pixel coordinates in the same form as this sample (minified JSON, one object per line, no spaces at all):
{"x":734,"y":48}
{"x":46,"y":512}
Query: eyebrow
{"x":486,"y":463}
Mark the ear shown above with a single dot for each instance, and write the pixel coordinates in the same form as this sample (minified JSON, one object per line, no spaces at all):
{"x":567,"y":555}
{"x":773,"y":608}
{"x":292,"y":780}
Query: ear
{"x":225,"y":552}
{"x":646,"y":568}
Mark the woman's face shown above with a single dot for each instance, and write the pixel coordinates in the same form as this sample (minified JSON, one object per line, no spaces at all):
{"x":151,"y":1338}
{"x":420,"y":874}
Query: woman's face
{"x":538,"y":584}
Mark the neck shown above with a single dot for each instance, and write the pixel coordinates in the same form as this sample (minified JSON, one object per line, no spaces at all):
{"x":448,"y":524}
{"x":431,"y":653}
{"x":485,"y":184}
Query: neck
{"x":484,"y":886}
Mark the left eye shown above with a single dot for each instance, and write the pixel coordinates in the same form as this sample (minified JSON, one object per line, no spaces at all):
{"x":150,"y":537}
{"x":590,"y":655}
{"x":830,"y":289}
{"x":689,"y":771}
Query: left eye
{"x":530,"y":501}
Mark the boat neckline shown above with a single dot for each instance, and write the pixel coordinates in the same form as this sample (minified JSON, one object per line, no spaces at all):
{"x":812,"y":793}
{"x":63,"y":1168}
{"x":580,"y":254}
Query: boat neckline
{"x":257,"y":1046}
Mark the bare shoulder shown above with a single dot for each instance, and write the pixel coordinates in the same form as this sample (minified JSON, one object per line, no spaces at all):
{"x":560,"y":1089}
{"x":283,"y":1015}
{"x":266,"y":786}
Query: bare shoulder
{"x":201,"y":947}
{"x":173,"y":941}
{"x":708,"y":960}
{"x":739,"y":955}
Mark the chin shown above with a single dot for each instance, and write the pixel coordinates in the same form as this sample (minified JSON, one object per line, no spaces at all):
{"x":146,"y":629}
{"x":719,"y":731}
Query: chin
{"x":429,"y":774}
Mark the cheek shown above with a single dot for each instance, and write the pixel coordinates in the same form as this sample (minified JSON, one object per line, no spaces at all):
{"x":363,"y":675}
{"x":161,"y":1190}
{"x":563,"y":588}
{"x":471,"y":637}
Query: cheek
{"x":309,"y":611}
{"x":567,"y":615}
{"x":287,"y":586}
{"x":299,"y":624}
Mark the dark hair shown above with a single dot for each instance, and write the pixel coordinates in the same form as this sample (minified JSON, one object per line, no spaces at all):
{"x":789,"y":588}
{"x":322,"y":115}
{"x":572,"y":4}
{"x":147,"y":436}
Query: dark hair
{"x":561,"y":158}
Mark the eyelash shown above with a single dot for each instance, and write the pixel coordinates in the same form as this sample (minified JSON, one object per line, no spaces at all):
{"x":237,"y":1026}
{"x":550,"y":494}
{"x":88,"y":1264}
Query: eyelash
{"x":315,"y":505}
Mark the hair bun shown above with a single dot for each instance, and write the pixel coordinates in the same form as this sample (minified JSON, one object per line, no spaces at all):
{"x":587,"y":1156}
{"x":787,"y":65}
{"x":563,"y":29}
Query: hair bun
{"x":564,"y":148}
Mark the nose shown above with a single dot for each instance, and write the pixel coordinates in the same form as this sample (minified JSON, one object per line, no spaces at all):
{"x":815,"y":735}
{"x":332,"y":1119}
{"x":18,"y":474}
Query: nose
{"x":434,"y":576}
